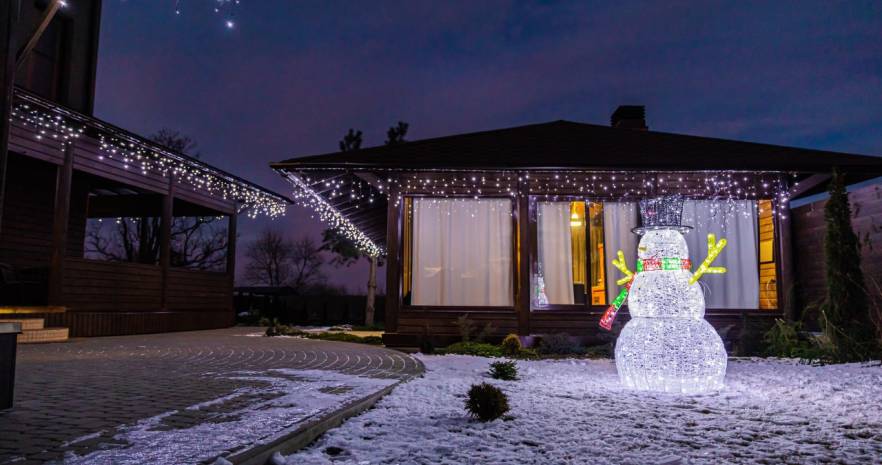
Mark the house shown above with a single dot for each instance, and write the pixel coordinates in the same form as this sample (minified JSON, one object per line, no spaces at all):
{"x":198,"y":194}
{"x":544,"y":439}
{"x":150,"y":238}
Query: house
{"x":101,"y":230}
{"x":517,"y":227}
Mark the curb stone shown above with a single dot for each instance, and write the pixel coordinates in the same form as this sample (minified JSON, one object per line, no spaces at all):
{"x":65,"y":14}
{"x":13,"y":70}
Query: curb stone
{"x":305,"y":434}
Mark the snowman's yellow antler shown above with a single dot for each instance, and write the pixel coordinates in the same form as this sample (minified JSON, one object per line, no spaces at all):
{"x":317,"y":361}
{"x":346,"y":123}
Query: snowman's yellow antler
{"x":713,"y":250}
{"x":623,"y":267}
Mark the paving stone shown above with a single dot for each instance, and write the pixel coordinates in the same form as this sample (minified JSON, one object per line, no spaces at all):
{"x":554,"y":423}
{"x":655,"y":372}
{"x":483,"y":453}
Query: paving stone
{"x":70,"y":390}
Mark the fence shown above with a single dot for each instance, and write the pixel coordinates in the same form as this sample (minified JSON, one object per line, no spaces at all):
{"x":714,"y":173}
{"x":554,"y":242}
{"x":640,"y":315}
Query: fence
{"x":319,"y":310}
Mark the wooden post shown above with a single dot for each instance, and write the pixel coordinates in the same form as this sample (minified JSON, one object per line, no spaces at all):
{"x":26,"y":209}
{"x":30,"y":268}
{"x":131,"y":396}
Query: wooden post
{"x":8,"y":20}
{"x":786,"y":281}
{"x":393,"y":262}
{"x":522,"y":305}
{"x":168,"y":203}
{"x":60,"y":221}
{"x":48,"y":14}
{"x":371,"y":293}
{"x":231,"y":256}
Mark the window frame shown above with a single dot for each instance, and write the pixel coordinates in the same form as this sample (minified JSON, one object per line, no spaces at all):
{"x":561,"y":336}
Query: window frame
{"x":533,"y":233}
{"x":407,"y":215}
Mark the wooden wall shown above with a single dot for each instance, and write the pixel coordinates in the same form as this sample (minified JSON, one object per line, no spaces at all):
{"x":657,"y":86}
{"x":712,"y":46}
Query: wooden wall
{"x":808,"y":246}
{"x":27,"y":214}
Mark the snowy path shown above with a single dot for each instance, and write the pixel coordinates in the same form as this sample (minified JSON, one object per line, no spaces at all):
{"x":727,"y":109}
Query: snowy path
{"x":575,"y":412}
{"x":279,"y":402}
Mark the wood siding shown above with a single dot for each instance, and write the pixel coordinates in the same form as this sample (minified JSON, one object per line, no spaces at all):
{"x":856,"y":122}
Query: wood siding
{"x":808,"y":246}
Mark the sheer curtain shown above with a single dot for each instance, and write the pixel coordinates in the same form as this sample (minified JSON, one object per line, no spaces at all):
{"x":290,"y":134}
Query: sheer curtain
{"x":462,"y":251}
{"x":737,"y":222}
{"x":556,"y":251}
{"x":619,"y":218}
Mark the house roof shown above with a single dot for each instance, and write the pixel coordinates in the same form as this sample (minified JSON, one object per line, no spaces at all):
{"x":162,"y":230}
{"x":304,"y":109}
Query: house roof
{"x":567,"y":144}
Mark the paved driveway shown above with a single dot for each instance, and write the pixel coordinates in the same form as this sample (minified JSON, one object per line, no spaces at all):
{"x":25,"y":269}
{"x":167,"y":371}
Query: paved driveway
{"x":70,"y":397}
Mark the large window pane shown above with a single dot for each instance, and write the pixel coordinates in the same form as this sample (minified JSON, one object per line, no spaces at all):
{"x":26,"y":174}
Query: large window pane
{"x":560,"y":274}
{"x":461,"y":252}
{"x":734,"y":220}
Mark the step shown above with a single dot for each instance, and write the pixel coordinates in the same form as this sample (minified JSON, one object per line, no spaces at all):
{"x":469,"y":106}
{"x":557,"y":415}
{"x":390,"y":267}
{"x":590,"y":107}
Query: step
{"x":18,"y":310}
{"x":27,"y":324}
{"x":43,"y":335}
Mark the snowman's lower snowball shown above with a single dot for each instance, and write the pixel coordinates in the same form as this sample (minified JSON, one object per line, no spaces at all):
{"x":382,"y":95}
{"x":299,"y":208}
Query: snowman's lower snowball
{"x":671,"y":354}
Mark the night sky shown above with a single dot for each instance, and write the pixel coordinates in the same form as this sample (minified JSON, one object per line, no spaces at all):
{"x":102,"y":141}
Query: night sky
{"x":292,"y":76}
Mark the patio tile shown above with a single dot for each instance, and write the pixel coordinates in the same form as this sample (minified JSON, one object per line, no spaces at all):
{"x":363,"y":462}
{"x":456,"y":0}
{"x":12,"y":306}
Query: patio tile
{"x":78,"y":389}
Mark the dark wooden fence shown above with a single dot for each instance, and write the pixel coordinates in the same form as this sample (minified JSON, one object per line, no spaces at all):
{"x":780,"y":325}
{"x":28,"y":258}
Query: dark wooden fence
{"x":308,"y":310}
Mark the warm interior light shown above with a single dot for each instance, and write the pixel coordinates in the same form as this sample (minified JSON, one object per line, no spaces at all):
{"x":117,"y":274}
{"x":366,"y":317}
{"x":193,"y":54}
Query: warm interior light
{"x":575,"y":220}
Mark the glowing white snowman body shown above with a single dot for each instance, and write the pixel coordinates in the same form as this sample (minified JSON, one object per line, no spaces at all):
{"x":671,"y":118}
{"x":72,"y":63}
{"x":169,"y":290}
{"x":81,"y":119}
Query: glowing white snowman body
{"x":668,"y":345}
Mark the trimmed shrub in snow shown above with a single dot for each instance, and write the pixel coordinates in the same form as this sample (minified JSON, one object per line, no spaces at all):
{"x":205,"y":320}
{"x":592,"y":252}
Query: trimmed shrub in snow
{"x":480,"y":349}
{"x":560,"y":344}
{"x":507,"y":371}
{"x":511,"y":345}
{"x":486,"y":402}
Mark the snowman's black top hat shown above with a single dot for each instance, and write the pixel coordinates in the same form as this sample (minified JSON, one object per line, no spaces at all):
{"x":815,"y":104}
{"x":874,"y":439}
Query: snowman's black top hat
{"x":661,"y":213}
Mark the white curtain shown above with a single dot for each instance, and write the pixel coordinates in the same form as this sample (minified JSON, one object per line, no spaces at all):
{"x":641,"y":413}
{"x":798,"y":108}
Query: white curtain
{"x":619,"y":218}
{"x":737,"y":222}
{"x":462,"y":252}
{"x":556,"y":251}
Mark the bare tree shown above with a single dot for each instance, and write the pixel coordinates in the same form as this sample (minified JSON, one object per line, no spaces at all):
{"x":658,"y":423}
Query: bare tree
{"x":270,"y":259}
{"x":307,"y":261}
{"x":176,"y":141}
{"x":196,"y":242}
{"x":276,"y":261}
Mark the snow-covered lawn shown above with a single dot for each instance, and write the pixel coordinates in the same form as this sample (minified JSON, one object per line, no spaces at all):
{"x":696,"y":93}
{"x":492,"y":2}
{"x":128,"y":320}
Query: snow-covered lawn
{"x":575,"y":411}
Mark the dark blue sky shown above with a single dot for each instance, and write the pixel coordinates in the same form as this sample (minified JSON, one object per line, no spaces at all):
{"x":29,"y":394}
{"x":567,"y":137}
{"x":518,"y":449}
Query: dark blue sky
{"x":293,"y":76}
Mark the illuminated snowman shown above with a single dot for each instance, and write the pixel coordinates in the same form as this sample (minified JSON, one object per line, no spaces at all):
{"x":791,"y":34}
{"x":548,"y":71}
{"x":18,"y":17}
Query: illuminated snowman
{"x":667,"y":345}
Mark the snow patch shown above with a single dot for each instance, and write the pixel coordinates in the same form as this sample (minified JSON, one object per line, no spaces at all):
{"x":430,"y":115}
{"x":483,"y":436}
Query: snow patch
{"x":577,"y":412}
{"x":282,"y":400}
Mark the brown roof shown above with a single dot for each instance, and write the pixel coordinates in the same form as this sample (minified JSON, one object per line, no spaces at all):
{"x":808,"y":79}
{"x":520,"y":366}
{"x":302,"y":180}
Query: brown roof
{"x":566,"y":144}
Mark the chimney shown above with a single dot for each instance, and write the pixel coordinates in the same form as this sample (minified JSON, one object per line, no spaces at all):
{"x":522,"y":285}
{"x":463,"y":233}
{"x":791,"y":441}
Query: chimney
{"x":629,"y":117}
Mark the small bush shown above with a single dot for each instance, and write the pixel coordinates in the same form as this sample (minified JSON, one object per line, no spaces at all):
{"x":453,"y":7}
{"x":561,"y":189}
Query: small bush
{"x":283,"y":330}
{"x":559,"y":344}
{"x":480,"y":349}
{"x":466,"y":327}
{"x":345,"y":337}
{"x":264,"y":321}
{"x":507,"y":371}
{"x":468,"y":332}
{"x":786,"y":339}
{"x":600,"y":351}
{"x":511,"y":345}
{"x":486,"y":402}
{"x":426,"y":346}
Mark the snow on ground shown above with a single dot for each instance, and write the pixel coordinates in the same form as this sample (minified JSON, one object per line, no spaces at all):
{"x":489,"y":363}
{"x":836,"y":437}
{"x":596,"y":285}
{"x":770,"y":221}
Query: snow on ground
{"x":280,"y":401}
{"x":576,"y":412}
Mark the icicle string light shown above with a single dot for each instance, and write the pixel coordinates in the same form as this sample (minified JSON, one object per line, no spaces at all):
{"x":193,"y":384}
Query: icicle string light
{"x":145,"y":158}
{"x":308,"y":198}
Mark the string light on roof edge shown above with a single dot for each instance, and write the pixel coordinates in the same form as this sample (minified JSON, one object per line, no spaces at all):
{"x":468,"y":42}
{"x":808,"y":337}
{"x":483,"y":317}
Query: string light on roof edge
{"x":308,"y":198}
{"x":140,"y":157}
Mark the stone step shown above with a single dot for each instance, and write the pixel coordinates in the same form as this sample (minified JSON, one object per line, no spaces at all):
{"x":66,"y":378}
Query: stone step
{"x":27,"y":324}
{"x":43,"y":335}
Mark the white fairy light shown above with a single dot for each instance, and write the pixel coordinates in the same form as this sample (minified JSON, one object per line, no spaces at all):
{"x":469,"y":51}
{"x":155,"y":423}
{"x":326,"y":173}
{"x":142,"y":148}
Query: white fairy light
{"x":148,"y":158}
{"x":668,"y":345}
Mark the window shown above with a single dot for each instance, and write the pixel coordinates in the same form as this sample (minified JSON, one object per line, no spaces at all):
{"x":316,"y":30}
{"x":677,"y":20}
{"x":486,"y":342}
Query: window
{"x":768,"y":271}
{"x":461,"y":252}
{"x":560,"y":272}
{"x":569,"y":268}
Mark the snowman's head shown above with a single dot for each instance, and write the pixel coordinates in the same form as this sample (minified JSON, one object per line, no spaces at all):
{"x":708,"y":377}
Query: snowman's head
{"x":662,"y":243}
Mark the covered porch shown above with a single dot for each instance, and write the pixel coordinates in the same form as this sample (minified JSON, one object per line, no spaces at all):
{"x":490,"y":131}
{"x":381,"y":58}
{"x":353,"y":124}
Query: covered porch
{"x":121,"y":233}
